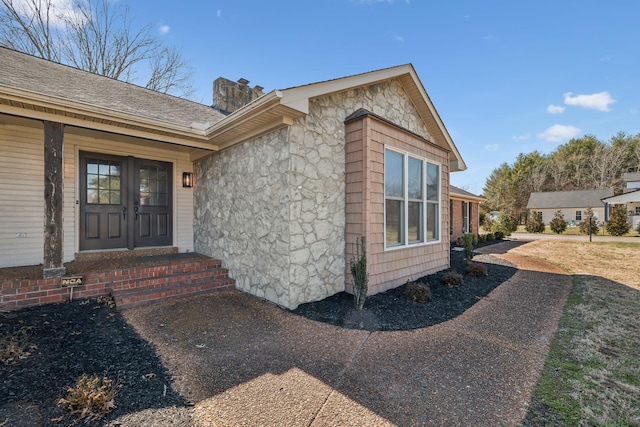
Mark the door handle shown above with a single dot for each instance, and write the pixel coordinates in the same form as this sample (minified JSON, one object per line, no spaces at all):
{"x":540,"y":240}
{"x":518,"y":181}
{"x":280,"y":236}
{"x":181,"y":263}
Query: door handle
{"x":124,"y":212}
{"x":136,"y":212}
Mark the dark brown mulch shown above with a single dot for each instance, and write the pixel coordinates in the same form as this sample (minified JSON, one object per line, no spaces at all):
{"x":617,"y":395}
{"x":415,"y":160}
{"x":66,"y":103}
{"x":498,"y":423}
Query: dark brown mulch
{"x":392,"y":310}
{"x":89,"y":337}
{"x":72,"y":339}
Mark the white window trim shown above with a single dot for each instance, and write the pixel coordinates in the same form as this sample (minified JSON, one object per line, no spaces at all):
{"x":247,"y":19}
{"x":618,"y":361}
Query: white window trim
{"x":425,"y":241}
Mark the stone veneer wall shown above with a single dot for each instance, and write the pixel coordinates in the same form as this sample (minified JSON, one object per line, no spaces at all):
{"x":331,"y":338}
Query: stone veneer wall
{"x":273,"y":208}
{"x":241,"y":214}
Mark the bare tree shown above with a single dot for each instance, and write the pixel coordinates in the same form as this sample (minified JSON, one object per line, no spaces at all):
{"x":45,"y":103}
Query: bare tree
{"x":98,"y":36}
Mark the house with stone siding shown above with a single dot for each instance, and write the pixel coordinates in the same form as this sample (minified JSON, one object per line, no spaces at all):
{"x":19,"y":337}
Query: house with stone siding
{"x":278,"y":187}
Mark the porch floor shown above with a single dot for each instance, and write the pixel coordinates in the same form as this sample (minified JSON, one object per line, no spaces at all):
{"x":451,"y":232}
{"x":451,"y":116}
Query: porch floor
{"x":102,"y":261}
{"x":132,"y":278}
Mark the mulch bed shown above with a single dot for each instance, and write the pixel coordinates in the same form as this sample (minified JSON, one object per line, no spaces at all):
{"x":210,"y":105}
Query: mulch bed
{"x":91,"y":337}
{"x":393,"y":311}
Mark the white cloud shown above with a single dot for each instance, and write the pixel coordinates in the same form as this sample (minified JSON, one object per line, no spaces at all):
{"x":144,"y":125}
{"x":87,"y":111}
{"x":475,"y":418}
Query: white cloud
{"x":555,"y":109}
{"x":164,"y":29}
{"x":398,"y":38}
{"x":492,"y":147}
{"x":521,"y":137}
{"x":60,"y":10}
{"x":559,"y":133}
{"x":219,"y":13}
{"x":597,"y":101}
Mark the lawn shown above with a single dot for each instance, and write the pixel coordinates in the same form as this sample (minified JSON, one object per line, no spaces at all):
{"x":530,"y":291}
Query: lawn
{"x":592,"y":375}
{"x":575,"y":231}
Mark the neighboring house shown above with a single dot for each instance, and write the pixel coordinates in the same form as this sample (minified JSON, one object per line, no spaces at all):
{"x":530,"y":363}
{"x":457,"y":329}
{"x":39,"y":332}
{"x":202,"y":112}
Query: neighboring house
{"x":572,"y":204}
{"x":284,"y":185}
{"x":464,"y":208}
{"x":630,"y":198}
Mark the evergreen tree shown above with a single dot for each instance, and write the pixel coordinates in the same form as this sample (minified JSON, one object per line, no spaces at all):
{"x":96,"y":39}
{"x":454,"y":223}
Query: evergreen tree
{"x":618,"y":225}
{"x":584,"y":225}
{"x":558,"y":225}
{"x":534,"y":222}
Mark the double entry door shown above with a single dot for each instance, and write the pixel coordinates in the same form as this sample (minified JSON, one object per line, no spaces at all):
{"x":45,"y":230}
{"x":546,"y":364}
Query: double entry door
{"x":125,"y":202}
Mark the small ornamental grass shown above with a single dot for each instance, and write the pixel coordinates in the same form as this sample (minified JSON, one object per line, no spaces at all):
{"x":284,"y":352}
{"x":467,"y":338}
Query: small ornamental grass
{"x":476,"y":270}
{"x":418,"y":292}
{"x":91,"y":398}
{"x":16,"y":347}
{"x":453,"y":279}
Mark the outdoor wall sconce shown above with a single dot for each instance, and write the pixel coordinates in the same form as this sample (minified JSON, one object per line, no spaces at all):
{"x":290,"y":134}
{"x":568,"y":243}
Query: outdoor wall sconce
{"x":187,"y":179}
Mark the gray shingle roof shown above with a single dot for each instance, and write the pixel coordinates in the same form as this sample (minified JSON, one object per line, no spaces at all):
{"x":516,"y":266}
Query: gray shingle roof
{"x":461,"y":192}
{"x":36,"y":75}
{"x":568,"y":199}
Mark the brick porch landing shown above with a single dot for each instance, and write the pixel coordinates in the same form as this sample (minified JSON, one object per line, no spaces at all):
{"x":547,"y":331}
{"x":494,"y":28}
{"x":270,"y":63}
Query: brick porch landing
{"x":133,"y":279}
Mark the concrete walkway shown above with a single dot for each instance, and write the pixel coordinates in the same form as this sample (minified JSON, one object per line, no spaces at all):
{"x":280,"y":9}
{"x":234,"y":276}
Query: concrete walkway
{"x":244,"y":362}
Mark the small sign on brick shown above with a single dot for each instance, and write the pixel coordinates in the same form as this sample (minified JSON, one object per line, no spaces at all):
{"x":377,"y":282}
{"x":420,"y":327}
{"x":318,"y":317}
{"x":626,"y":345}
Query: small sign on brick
{"x":72,"y":281}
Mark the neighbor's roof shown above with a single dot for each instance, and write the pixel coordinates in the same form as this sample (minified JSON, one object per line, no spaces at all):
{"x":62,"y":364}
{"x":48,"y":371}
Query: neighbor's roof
{"x":459,"y":193}
{"x":568,"y":199}
{"x":630,"y":195}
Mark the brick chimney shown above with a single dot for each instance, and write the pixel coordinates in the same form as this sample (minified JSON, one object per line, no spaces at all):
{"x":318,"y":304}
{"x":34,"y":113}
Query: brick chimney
{"x":229,"y":96}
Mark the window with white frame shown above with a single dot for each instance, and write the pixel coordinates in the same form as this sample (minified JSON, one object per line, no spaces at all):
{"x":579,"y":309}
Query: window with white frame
{"x":412,"y":199}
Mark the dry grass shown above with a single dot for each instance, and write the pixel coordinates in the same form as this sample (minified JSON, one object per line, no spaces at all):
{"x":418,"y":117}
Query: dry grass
{"x":592,"y":376}
{"x":615,"y":261}
{"x":14,"y":348}
{"x":91,"y":398}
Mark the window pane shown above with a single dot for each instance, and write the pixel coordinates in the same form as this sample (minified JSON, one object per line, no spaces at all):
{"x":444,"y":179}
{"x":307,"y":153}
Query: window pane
{"x":415,"y":178}
{"x":394,"y":222}
{"x":92,"y":196}
{"x":415,"y":221}
{"x":433,"y":174}
{"x":92,"y":181}
{"x":103,"y":169}
{"x":393,"y":174}
{"x":432,"y":221}
{"x":115,"y":197}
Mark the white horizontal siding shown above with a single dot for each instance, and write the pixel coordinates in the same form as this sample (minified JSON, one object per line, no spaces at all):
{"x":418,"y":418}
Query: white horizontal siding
{"x":22,"y":187}
{"x":21,"y":194}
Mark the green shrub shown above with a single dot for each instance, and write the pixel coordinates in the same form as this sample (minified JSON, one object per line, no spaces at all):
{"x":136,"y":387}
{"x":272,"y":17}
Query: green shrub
{"x":558,"y":225}
{"x":359,"y":273}
{"x":476,"y":270}
{"x":486,"y":223}
{"x":482,"y":238}
{"x":92,"y":397}
{"x":460,"y":241}
{"x":453,"y":279}
{"x":618,"y":225}
{"x":499,"y":235}
{"x":475,"y":239}
{"x":584,"y":225}
{"x":534,"y":222}
{"x":490,"y":237}
{"x":504,"y":223}
{"x":468,"y":246}
{"x":418,"y":292}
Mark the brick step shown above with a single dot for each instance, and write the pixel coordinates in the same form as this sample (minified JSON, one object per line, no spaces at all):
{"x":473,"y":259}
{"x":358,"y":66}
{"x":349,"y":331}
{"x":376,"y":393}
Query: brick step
{"x":149,"y":290}
{"x":146,"y":276}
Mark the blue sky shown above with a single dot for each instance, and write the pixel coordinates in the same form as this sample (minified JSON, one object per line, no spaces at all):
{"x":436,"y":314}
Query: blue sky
{"x":505,"y":76}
